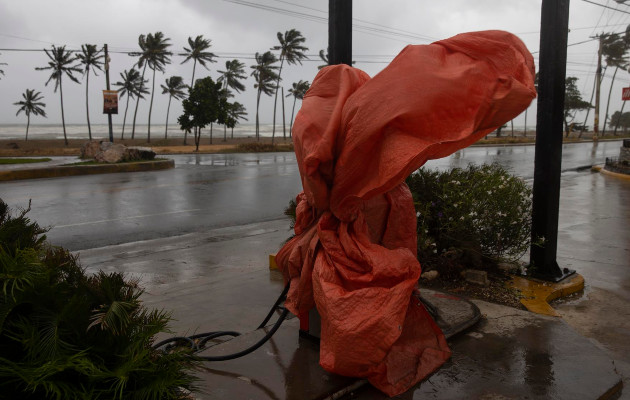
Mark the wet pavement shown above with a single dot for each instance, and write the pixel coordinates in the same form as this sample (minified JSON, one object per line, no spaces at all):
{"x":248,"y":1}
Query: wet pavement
{"x":219,"y":280}
{"x":206,"y":191}
{"x":215,"y":277}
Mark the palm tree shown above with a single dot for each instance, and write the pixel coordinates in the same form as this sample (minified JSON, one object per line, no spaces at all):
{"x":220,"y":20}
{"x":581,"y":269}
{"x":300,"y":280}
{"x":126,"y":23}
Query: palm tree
{"x":236,"y":112}
{"x":297,"y":91}
{"x":91,"y":58}
{"x":614,"y":49}
{"x":265,"y":77}
{"x":1,"y":71}
{"x":31,"y":105}
{"x":197,"y":52}
{"x":234,"y":72}
{"x":132,"y":86}
{"x":155,"y":56}
{"x":324,"y":57}
{"x":60,"y":64}
{"x":175,"y":87}
{"x":292,"y":51}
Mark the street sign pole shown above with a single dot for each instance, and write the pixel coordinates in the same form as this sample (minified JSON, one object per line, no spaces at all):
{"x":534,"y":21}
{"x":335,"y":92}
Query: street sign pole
{"x":109,"y":115}
{"x":548,"y":158}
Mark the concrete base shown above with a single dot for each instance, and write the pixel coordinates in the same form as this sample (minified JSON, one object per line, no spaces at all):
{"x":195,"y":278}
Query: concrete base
{"x":74,"y":170}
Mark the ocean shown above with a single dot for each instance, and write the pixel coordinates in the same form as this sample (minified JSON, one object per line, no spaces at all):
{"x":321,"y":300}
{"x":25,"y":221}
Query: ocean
{"x":80,"y":131}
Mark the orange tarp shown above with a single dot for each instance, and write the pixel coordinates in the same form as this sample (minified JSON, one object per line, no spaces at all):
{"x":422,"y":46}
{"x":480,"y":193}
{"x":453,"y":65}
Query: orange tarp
{"x":356,"y":140}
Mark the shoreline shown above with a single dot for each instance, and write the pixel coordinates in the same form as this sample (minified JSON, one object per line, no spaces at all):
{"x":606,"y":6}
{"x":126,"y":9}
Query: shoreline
{"x":161,"y":146}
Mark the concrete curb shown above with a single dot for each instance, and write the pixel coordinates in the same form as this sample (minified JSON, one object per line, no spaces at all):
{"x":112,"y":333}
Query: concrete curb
{"x":600,"y":168}
{"x":539,"y":293}
{"x":73,"y":170}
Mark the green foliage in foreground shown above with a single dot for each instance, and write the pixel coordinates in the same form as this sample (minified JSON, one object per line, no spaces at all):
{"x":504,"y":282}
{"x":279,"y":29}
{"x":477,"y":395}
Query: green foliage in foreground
{"x":5,"y":161}
{"x":482,"y":209}
{"x":68,"y":335}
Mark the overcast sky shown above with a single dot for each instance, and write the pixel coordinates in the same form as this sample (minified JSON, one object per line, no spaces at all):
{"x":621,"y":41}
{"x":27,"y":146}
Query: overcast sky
{"x":240,"y":28}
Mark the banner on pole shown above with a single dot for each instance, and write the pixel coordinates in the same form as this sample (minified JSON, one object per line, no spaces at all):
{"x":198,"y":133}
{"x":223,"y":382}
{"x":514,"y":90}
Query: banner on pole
{"x":625,"y":93}
{"x":110,"y":102}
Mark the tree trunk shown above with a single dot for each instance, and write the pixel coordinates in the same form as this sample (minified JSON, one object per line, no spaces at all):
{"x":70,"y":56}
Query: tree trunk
{"x":232,"y":135}
{"x":63,"y":118}
{"x":122,"y":135}
{"x":192,"y":80}
{"x":284,"y":124}
{"x":608,"y":102}
{"x":275,"y":100}
{"x":499,"y":131}
{"x":512,"y":127}
{"x":168,"y":109}
{"x":135,"y":114}
{"x":151,"y":108}
{"x":28,"y":123}
{"x":210,"y":132}
{"x":257,"y":124}
{"x":525,"y":128}
{"x":588,"y":110}
{"x":620,"y":114}
{"x":224,"y":132}
{"x":87,"y":106}
{"x":292,"y":114}
{"x":197,"y":138}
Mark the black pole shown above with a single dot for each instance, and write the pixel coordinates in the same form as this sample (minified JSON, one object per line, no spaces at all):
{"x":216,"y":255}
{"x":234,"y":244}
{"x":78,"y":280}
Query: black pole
{"x":339,"y":32}
{"x":548,"y":158}
{"x":109,"y":115}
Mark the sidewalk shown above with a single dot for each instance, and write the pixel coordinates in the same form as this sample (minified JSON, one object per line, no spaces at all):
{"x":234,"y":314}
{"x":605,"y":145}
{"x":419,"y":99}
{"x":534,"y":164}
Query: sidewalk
{"x":219,"y":280}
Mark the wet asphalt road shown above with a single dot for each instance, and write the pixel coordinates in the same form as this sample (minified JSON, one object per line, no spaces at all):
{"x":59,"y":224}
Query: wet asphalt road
{"x":210,"y":191}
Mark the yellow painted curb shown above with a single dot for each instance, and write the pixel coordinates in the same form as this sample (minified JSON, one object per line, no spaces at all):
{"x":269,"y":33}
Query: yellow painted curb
{"x":272,"y":261}
{"x":537,"y":293}
{"x":74,"y":170}
{"x":600,"y":168}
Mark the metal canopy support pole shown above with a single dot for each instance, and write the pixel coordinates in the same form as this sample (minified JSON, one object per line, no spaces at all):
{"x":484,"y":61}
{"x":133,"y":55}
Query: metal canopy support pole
{"x":547,"y":162}
{"x":339,"y":52}
{"x":339,"y":32}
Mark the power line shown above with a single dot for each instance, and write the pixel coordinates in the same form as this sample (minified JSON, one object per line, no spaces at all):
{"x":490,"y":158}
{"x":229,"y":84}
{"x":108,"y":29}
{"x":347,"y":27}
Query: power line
{"x":602,"y":5}
{"x":376,"y":31}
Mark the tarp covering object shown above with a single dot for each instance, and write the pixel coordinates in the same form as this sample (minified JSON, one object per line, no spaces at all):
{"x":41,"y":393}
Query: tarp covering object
{"x":356,"y":140}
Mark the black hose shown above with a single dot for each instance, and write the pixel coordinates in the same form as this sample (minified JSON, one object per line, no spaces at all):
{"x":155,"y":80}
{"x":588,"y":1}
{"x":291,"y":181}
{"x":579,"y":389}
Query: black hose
{"x":197,"y":345}
{"x":251,"y":348}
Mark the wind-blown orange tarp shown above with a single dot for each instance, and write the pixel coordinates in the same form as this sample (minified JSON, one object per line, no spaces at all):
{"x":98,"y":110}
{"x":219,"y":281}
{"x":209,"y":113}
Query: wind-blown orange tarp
{"x":356,"y":140}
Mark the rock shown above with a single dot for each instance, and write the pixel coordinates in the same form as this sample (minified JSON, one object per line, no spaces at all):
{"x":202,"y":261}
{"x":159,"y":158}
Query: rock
{"x":104,"y":151}
{"x":430,"y":275}
{"x":136,"y":153}
{"x":475,"y":276}
{"x":112,"y":153}
{"x":90,"y":149}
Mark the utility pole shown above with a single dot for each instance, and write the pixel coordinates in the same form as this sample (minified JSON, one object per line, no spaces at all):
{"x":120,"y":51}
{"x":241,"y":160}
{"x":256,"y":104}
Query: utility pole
{"x":109,"y":115}
{"x":340,"y":32}
{"x":598,"y":83}
{"x":548,"y":158}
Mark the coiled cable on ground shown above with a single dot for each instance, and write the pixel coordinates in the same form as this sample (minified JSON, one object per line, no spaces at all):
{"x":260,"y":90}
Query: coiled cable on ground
{"x":199,"y":341}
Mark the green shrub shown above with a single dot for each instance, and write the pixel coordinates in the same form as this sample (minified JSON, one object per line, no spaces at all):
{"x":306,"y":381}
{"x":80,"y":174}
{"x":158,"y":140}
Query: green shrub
{"x":472,"y":215}
{"x":480,"y":209}
{"x":67,"y":335}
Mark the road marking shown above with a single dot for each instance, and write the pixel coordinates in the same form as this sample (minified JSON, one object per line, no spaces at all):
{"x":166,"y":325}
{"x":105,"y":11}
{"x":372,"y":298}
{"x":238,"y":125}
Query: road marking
{"x":125,"y":218}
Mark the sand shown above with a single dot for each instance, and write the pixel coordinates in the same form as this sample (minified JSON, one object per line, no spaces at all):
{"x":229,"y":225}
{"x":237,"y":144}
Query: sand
{"x":56,"y":147}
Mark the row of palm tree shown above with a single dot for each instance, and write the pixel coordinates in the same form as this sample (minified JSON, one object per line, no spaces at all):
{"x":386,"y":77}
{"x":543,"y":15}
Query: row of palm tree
{"x":154,"y":53}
